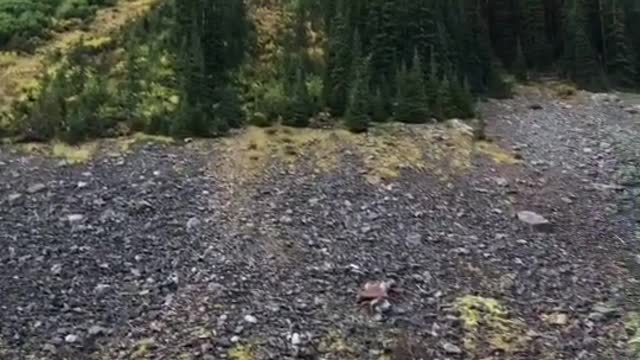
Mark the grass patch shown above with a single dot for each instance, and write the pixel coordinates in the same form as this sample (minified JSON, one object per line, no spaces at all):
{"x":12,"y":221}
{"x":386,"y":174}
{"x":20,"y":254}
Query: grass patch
{"x":385,"y":151}
{"x":496,"y":153}
{"x":337,"y":347}
{"x":125,"y":144}
{"x":74,"y":154}
{"x":489,"y":328}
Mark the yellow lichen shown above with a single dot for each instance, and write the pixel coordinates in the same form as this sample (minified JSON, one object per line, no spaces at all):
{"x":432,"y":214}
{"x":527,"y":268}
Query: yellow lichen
{"x":488,"y":327}
{"x":241,"y":352}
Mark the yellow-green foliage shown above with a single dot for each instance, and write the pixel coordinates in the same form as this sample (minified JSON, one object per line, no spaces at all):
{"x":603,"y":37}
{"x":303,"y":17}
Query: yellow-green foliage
{"x":125,"y":143}
{"x":488,"y":327}
{"x":142,"y":348}
{"x":633,"y":327}
{"x":241,"y":352}
{"x":74,"y":154}
{"x":385,"y":151}
{"x":336,"y":346}
{"x":8,"y":58}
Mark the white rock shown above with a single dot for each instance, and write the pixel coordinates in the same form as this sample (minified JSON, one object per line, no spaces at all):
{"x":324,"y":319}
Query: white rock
{"x":449,"y":348}
{"x":250,"y":319}
{"x":71,"y":338}
{"x":75,"y":218}
{"x":295,"y":339}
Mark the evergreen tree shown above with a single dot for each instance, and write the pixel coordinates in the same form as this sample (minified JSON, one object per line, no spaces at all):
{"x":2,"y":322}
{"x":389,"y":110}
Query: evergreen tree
{"x":520,"y":64}
{"x":536,"y":44}
{"x":358,"y":114}
{"x":379,"y":111}
{"x":620,"y":65}
{"x":412,"y":105}
{"x":338,"y":66}
{"x":300,"y":106}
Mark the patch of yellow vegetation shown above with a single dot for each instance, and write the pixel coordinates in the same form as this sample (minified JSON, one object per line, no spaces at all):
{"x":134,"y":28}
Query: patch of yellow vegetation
{"x":74,"y":154}
{"x":335,"y":345}
{"x":7,"y":58}
{"x":142,"y":348}
{"x":632,"y":326}
{"x":496,"y":153}
{"x":385,"y":151}
{"x":98,"y":43}
{"x":125,"y":143}
{"x":488,"y":327}
{"x":241,"y":352}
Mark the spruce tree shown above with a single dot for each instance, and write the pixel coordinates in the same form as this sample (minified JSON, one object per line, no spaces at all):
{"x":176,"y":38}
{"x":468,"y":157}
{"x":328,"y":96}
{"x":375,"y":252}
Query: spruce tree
{"x":358,"y":115}
{"x":412,"y":105}
{"x":300,"y":107}
{"x":336,"y":89}
{"x":619,"y":54}
{"x":536,"y":44}
{"x":379,"y":111}
{"x":520,"y":63}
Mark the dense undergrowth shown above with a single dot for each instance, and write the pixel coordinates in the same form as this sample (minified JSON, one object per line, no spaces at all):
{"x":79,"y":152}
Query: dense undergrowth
{"x":23,"y":23}
{"x":200,"y":68}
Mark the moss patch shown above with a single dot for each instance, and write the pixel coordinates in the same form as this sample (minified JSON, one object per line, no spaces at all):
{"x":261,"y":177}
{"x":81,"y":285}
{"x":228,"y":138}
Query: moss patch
{"x":488,"y":327}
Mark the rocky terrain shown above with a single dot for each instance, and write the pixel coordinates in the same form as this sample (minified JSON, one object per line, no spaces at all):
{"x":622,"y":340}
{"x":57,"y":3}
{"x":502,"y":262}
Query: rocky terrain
{"x":523,"y":248}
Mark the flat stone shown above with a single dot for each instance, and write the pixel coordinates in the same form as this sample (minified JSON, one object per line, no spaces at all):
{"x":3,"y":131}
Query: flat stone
{"x":450,"y":348}
{"x":71,"y":338}
{"x":35,"y":188}
{"x":535,"y":220}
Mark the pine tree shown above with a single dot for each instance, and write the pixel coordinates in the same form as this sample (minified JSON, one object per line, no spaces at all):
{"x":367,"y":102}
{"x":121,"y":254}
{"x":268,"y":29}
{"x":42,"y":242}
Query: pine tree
{"x":536,"y":44}
{"x":412,"y":105}
{"x":384,"y":41}
{"x":300,"y":106}
{"x":520,"y":63}
{"x":358,"y":114}
{"x":462,"y":103}
{"x":379,"y":111}
{"x":619,"y":54}
{"x":338,"y":66}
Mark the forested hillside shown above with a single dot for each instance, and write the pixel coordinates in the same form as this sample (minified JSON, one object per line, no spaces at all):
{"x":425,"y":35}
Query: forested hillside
{"x":199,"y":67}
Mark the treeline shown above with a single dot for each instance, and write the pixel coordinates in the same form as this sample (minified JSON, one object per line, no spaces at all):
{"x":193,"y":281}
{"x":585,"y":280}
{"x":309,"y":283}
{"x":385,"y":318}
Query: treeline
{"x":197,"y":67}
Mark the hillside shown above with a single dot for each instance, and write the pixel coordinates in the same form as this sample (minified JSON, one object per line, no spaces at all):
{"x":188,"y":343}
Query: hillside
{"x":319,"y":179}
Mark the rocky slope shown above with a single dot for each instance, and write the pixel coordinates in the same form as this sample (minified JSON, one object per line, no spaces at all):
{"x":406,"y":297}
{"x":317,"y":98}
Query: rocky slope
{"x":255,"y":248}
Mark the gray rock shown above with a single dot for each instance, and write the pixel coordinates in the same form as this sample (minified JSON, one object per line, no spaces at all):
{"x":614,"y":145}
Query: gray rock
{"x":56,"y":269}
{"x":13,"y":197}
{"x":96,"y":330}
{"x":414,"y":239}
{"x":193,"y":224}
{"x":535,"y":220}
{"x":50,"y":348}
{"x":450,"y":348}
{"x":35,"y":188}
{"x":285,"y":219}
